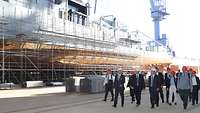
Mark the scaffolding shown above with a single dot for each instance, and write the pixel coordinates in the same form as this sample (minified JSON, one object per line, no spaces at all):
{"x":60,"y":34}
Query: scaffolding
{"x":44,"y":47}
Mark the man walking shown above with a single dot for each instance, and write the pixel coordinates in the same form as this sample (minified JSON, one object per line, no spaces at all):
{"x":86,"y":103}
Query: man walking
{"x":167,"y":83}
{"x":161,"y":81}
{"x":173,"y":88}
{"x":184,"y":85}
{"x":195,"y":85}
{"x":154,"y":88}
{"x":130,"y":85}
{"x":119,"y":88}
{"x":108,"y":83}
{"x":138,"y":85}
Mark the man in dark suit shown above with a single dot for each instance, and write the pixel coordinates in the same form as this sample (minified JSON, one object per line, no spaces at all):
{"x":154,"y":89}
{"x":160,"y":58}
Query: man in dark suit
{"x":154,"y":86}
{"x":195,"y":91}
{"x":138,"y":85}
{"x":108,"y":83}
{"x":167,"y":84}
{"x":161,"y":81}
{"x":119,"y":88}
{"x":130,"y":85}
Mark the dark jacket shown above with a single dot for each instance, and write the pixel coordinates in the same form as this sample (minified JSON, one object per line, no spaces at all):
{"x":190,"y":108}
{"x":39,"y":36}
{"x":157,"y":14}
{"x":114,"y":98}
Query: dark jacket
{"x":130,"y":81}
{"x":156,"y":83}
{"x":161,"y":78}
{"x":167,"y":80}
{"x":198,"y":82}
{"x":133,"y":82}
{"x":119,"y":83}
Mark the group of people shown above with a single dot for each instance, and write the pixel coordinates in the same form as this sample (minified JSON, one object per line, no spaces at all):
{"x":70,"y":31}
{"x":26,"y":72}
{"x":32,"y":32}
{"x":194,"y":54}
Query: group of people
{"x":184,"y":83}
{"x":117,"y":80}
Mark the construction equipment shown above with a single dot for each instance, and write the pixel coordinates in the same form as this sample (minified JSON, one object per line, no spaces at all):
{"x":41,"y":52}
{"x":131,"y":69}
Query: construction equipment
{"x":158,"y":13}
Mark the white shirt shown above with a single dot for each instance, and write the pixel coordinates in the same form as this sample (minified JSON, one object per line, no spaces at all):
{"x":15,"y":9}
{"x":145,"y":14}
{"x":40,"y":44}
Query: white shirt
{"x":137,"y":75}
{"x":107,"y":78}
{"x":194,"y":81}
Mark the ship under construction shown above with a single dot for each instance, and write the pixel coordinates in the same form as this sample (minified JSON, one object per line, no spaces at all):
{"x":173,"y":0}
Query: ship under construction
{"x":49,"y":40}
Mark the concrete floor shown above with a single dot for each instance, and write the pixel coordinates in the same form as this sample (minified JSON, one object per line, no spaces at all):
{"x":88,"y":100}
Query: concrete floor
{"x":54,"y":100}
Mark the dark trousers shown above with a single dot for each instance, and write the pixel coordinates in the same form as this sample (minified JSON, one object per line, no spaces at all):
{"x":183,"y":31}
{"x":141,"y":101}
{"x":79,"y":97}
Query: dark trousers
{"x":117,"y":92}
{"x":132,"y":94}
{"x":108,"y":89}
{"x":154,"y":97}
{"x":161,"y":94}
{"x":184,"y":94}
{"x":167,"y":95}
{"x":138,"y":96}
{"x":195,"y":94}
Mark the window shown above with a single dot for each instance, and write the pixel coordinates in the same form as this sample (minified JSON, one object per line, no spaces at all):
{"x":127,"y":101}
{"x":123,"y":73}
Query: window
{"x":60,"y":14}
{"x":65,"y":15}
{"x":58,"y":2}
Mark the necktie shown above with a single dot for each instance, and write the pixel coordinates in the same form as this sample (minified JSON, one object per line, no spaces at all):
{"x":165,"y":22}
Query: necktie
{"x":137,"y":80}
{"x":118,"y":77}
{"x":152,"y":77}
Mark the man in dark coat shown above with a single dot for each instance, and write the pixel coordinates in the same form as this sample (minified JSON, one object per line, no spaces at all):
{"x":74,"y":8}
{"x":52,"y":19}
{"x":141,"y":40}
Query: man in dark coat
{"x":195,"y":91}
{"x":138,"y":85}
{"x":154,"y":86}
{"x":130,"y":85}
{"x":161,"y":81}
{"x":108,"y":83}
{"x":167,"y":84}
{"x":119,"y":88}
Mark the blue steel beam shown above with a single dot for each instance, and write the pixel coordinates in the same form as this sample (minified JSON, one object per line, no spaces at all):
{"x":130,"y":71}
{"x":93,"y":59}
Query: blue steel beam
{"x":158,"y":12}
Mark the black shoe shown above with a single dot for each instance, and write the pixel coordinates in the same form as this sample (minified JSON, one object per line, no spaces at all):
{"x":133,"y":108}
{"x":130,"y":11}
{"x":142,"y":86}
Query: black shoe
{"x":122,"y":106}
{"x":193,"y":104}
{"x":104,"y":100}
{"x":131,"y":102}
{"x":170,"y":104}
{"x":175,"y":103}
{"x":157,"y":105}
{"x":163,"y":101}
{"x":152,"y":107}
{"x":111,"y":100}
{"x":114,"y":106}
{"x":185,"y":107}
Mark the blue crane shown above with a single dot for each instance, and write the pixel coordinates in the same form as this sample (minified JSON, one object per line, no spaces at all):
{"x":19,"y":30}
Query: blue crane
{"x":158,"y":13}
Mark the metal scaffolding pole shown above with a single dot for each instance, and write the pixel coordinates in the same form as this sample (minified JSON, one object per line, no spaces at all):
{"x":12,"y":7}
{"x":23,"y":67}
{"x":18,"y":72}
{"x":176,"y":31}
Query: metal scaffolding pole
{"x":3,"y":54}
{"x":3,"y":60}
